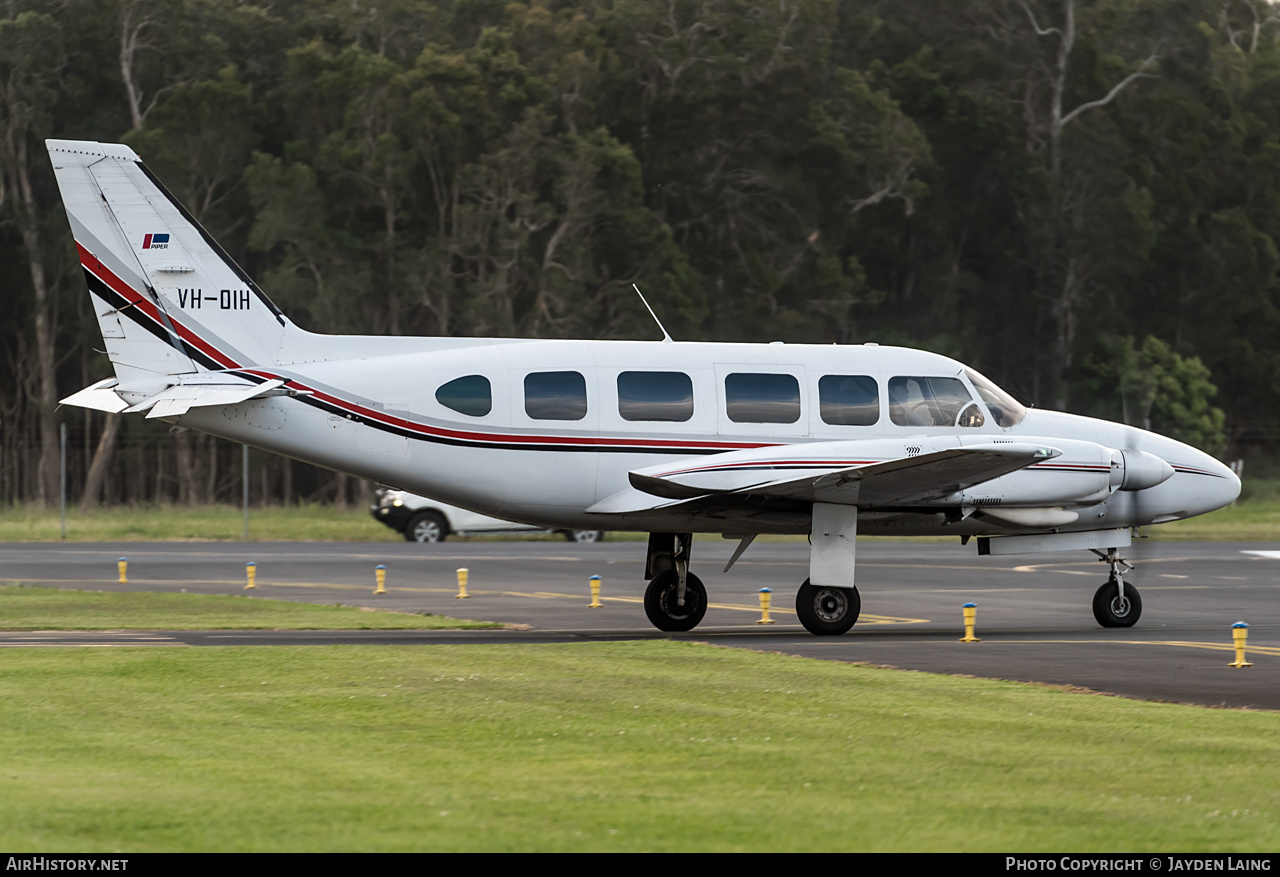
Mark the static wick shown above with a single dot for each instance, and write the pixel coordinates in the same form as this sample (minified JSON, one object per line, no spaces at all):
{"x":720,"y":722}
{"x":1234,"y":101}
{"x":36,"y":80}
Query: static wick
{"x":666,"y":339}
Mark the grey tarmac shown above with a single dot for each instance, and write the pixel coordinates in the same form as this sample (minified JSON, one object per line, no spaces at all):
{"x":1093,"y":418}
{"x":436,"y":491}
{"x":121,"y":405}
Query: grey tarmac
{"x":1033,"y":616}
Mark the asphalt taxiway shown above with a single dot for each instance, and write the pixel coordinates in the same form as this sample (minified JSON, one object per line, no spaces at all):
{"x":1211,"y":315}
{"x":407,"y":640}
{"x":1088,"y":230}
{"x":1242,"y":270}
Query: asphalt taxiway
{"x":1034,"y":615}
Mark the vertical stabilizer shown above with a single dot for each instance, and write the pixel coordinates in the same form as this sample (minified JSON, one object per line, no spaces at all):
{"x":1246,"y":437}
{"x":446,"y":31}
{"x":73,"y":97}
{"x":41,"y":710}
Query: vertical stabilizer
{"x":169,"y":300}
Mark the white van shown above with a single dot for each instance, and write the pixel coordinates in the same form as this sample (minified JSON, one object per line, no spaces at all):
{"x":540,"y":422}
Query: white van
{"x":426,"y":520}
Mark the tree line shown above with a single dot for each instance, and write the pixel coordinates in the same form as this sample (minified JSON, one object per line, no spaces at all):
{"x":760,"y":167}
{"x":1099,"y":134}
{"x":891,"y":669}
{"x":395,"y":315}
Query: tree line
{"x":1080,"y":198}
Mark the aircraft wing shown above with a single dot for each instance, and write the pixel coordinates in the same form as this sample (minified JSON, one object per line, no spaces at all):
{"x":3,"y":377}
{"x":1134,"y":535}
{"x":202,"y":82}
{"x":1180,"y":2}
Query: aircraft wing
{"x":876,"y":473}
{"x":923,"y":478}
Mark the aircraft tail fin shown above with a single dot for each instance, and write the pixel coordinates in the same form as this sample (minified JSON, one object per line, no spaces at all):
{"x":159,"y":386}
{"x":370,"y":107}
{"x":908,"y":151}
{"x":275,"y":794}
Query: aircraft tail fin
{"x":169,"y":300}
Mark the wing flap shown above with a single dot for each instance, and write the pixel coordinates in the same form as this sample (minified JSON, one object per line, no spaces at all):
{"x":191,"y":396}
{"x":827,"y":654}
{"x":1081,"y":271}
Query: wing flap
{"x":632,"y":501}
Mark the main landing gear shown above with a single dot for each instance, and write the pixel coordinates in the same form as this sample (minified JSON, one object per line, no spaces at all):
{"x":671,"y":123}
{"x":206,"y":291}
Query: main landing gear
{"x":675,"y":599}
{"x":827,"y":611}
{"x":1116,"y":604}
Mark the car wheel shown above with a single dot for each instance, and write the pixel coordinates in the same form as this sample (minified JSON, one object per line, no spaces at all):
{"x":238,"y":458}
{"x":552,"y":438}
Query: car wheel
{"x":426,"y":527}
{"x":584,"y":536}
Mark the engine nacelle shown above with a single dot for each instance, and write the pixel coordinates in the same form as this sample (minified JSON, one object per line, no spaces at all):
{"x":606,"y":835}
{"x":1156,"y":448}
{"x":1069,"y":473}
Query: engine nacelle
{"x":1081,"y":476}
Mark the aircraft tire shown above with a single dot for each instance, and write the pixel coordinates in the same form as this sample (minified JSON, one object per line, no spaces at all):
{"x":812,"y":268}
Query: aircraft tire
{"x":827,"y":611}
{"x":1107,"y":608}
{"x":426,"y":527}
{"x":660,"y":602}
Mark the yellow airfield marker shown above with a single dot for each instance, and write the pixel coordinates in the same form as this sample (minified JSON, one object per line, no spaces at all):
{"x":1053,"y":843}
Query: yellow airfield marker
{"x":970,"y":616}
{"x":766,"y":597}
{"x":1239,"y":634}
{"x":462,"y":584}
{"x":380,"y":573}
{"x":251,"y":572}
{"x":122,"y":564}
{"x":595,"y":594}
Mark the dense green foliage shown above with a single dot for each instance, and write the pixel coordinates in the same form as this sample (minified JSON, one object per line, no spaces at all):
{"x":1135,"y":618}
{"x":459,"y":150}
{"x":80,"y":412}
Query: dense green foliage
{"x":1062,"y":193}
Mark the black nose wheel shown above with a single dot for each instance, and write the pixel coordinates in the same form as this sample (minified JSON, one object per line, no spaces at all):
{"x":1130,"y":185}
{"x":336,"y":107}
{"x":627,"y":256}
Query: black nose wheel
{"x":1114,"y":610}
{"x":827,"y":611}
{"x":661,"y":601}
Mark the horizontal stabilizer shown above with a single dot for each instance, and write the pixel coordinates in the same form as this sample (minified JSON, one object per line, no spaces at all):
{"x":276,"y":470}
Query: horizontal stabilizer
{"x":99,"y":397}
{"x":182,"y":398}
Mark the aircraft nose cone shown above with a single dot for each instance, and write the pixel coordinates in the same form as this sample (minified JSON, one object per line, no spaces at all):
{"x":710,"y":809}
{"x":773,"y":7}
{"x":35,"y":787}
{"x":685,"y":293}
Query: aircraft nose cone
{"x":1216,"y":485}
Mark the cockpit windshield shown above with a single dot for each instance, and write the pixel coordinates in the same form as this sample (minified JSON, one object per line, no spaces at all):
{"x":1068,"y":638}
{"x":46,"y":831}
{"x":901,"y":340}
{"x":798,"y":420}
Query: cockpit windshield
{"x":1005,"y":410}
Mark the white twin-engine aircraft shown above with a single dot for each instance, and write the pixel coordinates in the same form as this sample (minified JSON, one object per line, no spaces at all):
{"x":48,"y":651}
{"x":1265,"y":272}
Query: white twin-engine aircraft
{"x":672,"y":438}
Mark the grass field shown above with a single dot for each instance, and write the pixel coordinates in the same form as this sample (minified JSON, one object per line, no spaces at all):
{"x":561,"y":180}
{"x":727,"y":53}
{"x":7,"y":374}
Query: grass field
{"x":312,"y":523}
{"x":1250,"y":520}
{"x":36,"y":608}
{"x":621,"y":746}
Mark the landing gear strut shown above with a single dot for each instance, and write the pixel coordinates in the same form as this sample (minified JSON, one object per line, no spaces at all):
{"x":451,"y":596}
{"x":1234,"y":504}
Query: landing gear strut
{"x":675,"y":599}
{"x":1116,"y":604}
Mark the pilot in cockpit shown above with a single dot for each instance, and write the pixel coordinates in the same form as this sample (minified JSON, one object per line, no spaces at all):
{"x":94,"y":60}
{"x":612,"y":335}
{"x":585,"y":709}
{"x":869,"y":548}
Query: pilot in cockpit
{"x":901,"y":409}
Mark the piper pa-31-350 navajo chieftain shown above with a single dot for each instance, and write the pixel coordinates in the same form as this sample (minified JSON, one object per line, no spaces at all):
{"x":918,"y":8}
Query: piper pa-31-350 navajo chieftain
{"x":672,"y":438}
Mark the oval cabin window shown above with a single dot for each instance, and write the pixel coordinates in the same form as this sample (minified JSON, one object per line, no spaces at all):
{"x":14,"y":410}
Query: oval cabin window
{"x":472,"y":395}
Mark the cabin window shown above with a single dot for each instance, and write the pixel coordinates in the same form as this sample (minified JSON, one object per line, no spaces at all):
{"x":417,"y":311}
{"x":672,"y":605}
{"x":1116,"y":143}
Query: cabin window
{"x":849,"y":400}
{"x":762,"y":398}
{"x":655,"y":396}
{"x":555,"y":396}
{"x":933,"y":402}
{"x":472,"y":395}
{"x":1005,"y":410}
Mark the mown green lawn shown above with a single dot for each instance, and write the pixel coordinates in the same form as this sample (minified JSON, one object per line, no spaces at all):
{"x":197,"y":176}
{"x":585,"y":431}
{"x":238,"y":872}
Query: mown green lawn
{"x":39,"y":608}
{"x":622,"y":746}
{"x":310,"y":523}
{"x":1257,"y":521}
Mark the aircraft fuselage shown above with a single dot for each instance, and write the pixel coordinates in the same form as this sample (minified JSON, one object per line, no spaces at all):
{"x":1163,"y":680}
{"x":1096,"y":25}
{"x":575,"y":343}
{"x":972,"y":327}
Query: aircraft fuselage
{"x":379,"y":417}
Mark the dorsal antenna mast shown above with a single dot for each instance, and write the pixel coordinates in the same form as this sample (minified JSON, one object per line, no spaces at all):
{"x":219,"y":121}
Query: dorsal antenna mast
{"x":666,"y":339}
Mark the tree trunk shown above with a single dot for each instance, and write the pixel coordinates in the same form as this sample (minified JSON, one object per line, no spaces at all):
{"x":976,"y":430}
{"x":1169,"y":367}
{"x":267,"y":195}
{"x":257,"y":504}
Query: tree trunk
{"x":101,"y":461}
{"x":45,"y":330}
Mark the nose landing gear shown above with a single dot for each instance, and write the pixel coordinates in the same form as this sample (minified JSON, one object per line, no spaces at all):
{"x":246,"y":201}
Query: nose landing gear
{"x":1116,"y":604}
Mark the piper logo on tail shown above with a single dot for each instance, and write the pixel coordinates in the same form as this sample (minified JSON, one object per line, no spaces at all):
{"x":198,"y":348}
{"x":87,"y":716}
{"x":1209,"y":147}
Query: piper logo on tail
{"x":155,"y":242}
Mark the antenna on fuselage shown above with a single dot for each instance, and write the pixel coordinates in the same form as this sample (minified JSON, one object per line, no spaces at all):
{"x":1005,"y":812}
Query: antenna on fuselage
{"x":666,"y":339}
